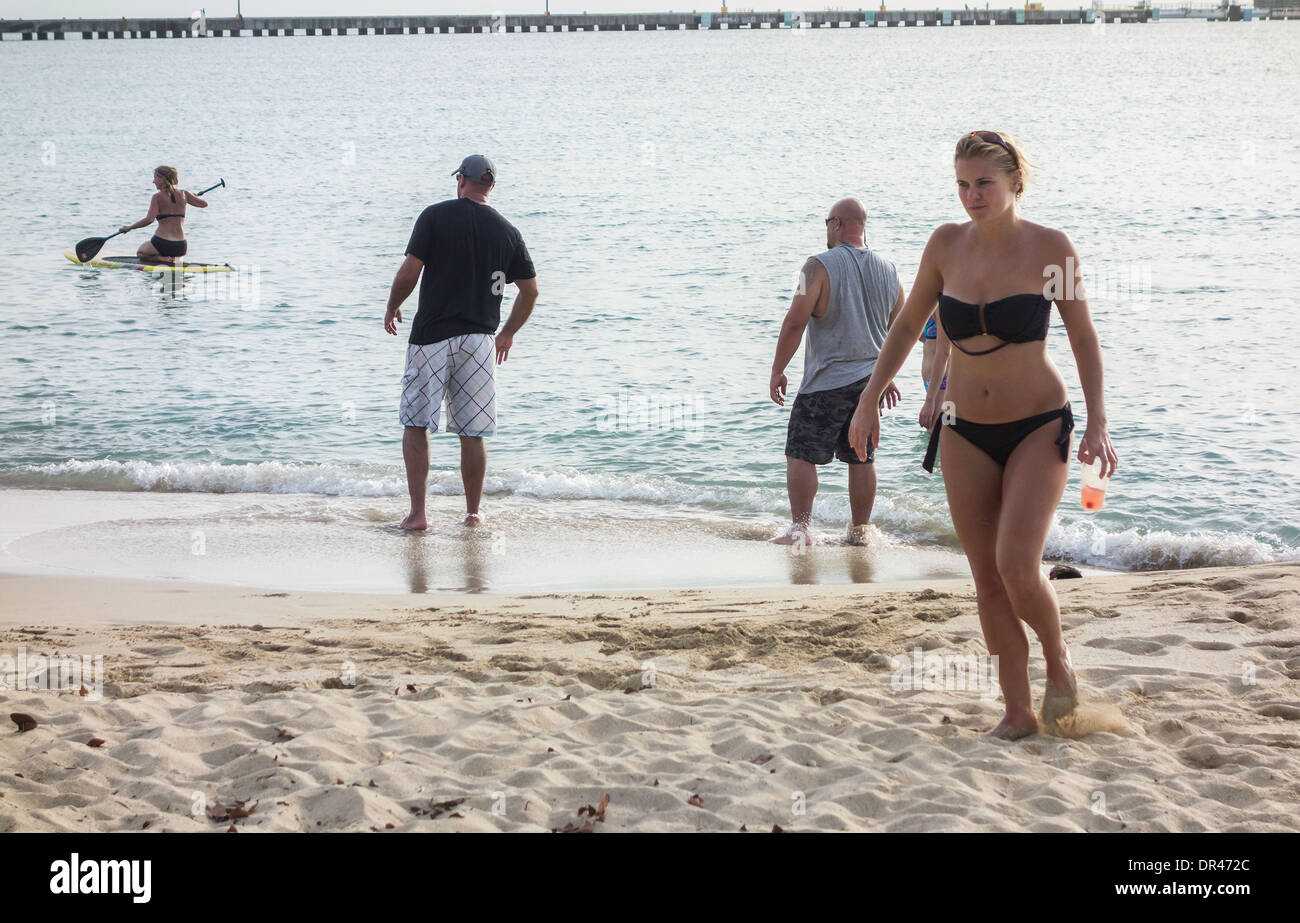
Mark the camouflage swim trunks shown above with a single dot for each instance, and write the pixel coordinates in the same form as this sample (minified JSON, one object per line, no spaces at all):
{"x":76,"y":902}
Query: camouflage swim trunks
{"x":819,"y":426}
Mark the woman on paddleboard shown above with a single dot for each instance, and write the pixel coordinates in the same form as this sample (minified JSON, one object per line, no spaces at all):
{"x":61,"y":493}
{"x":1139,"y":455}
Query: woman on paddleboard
{"x":167,"y":207}
{"x":1003,"y":439}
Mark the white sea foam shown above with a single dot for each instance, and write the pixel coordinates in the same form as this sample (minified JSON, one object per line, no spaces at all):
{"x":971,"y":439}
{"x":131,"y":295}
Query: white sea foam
{"x":908,"y":518}
{"x":210,"y":477}
{"x":1133,"y":549}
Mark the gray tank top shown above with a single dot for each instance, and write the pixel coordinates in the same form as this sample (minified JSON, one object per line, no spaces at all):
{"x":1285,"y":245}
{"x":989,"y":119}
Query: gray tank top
{"x":842,"y":345}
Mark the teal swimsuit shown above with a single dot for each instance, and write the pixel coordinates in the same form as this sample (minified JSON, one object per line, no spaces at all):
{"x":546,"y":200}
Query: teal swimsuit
{"x":931,"y":333}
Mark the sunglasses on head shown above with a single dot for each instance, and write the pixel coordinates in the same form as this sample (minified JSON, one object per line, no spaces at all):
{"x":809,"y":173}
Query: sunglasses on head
{"x":992,"y":137}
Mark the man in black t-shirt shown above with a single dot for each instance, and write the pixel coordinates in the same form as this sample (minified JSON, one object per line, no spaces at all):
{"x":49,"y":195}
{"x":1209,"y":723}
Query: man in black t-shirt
{"x":468,"y":253}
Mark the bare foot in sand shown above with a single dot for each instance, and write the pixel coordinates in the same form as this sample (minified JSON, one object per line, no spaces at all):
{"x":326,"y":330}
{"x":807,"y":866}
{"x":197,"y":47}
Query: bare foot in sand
{"x":1061,"y":697}
{"x":414,"y":523}
{"x":1014,"y":728}
{"x":857,"y":535}
{"x":797,"y":534}
{"x":472,"y":519}
{"x":1057,"y":702}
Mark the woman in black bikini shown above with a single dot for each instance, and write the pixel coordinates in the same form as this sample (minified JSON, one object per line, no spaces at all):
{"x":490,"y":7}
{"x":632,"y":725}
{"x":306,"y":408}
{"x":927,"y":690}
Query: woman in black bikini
{"x":167,"y":207}
{"x":1003,"y":479}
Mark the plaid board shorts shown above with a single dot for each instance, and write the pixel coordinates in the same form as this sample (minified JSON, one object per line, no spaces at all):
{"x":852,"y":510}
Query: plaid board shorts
{"x":819,"y":425}
{"x":460,"y":371}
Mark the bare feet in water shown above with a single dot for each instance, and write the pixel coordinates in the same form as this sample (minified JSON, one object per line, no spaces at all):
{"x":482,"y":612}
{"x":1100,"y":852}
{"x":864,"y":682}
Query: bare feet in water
{"x":472,"y":519}
{"x":797,"y":534}
{"x":857,"y":535}
{"x":414,"y":523}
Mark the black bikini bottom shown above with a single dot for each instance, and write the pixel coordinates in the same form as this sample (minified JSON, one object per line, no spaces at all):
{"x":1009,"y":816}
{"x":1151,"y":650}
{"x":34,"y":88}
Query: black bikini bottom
{"x":999,"y":440}
{"x":167,"y":247}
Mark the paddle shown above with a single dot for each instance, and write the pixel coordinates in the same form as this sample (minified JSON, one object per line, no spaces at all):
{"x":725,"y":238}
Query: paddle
{"x":86,"y":249}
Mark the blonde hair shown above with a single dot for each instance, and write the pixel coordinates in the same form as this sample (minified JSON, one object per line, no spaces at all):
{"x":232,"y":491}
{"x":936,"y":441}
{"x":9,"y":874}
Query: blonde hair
{"x":170,"y":177}
{"x":1007,"y":157}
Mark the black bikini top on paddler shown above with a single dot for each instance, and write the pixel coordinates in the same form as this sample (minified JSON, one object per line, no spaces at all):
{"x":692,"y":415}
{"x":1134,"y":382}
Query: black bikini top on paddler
{"x":177,"y":215}
{"x":1014,"y":319}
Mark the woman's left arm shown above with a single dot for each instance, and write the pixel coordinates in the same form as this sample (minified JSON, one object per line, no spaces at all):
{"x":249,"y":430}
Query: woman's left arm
{"x":1067,"y":291}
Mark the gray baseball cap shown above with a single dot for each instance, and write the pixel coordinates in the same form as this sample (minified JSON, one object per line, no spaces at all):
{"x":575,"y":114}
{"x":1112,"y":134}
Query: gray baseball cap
{"x":478,"y":168}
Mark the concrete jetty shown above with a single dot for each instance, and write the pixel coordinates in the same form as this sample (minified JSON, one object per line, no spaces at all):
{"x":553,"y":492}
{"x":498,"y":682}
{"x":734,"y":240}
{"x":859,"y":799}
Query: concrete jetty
{"x":263,"y":26}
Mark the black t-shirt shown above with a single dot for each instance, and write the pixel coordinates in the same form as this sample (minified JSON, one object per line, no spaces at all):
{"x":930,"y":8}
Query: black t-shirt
{"x":469,"y":253}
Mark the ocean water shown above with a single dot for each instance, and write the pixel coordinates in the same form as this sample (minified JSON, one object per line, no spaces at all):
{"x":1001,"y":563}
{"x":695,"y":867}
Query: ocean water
{"x":669,"y":186}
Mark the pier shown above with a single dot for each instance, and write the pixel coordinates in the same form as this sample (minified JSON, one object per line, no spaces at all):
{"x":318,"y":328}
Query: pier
{"x":262,"y":26}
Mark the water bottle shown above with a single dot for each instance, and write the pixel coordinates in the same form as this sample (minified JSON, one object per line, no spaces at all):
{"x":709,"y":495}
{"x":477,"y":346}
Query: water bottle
{"x":1094,"y":486}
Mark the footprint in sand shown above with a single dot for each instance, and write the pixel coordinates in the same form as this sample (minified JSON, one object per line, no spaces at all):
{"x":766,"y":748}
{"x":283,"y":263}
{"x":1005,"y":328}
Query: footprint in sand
{"x":1127,"y":645}
{"x":1172,"y":585}
{"x":1280,"y":710}
{"x":1225,"y":584}
{"x":159,"y":650}
{"x":1263,"y":593}
{"x":514,"y":664}
{"x":1205,"y":756}
{"x":1259,"y":622}
{"x":1169,"y":731}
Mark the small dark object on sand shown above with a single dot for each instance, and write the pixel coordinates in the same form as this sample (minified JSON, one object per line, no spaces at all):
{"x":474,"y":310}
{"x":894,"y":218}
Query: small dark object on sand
{"x":1063,"y":572}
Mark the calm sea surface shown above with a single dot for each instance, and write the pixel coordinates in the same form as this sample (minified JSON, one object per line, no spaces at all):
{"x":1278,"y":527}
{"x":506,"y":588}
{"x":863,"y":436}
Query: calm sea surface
{"x":668,"y":185}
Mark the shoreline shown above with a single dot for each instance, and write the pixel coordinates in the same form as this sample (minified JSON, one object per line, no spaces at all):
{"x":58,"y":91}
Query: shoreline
{"x":529,"y":544}
{"x":336,"y":711}
{"x":301,"y":542}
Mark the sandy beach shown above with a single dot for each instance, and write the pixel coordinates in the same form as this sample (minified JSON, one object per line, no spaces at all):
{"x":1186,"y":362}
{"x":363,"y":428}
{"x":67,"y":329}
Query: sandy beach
{"x":720,"y":709}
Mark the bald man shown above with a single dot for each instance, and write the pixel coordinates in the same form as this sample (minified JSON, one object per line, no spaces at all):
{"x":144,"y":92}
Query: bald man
{"x":846,"y":299}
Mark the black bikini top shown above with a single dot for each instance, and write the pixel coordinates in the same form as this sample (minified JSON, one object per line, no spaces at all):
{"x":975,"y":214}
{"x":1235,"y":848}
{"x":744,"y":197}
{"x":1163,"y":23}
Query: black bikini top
{"x":1014,"y":319}
{"x":177,"y":215}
